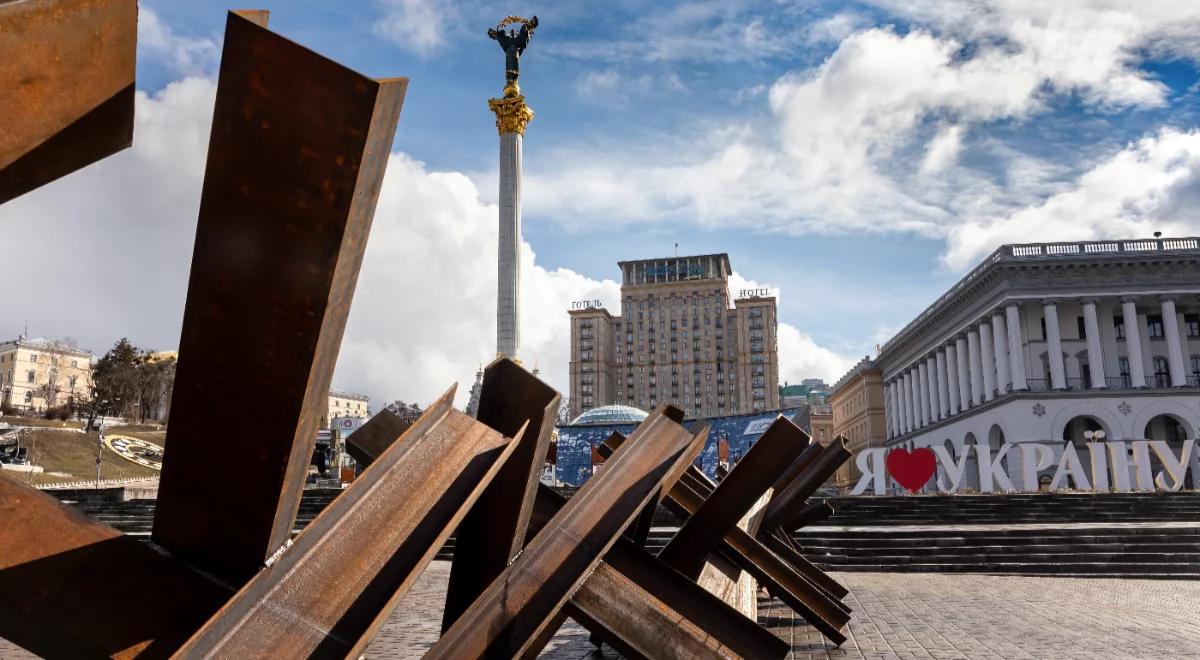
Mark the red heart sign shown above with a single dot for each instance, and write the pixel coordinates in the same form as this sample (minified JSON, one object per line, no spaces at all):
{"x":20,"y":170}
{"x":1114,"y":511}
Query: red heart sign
{"x":911,"y":469}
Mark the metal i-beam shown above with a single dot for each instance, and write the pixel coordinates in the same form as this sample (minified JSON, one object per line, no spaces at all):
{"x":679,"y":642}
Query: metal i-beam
{"x":646,"y":603}
{"x":644,"y":608}
{"x":326,"y":594}
{"x":787,"y":505}
{"x":747,"y":481}
{"x":71,"y":587}
{"x":516,"y":609}
{"x":67,"y":70}
{"x":494,"y":530}
{"x":808,"y":600}
{"x":295,"y":161}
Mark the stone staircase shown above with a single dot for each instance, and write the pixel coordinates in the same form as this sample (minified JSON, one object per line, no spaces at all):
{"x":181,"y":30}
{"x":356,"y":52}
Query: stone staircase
{"x":1135,"y":535}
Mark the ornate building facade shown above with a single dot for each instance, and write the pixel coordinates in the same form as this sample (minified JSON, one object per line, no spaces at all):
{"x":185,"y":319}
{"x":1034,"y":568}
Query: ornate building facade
{"x":39,"y":373}
{"x":681,"y":339}
{"x":857,"y":405}
{"x":1046,"y":343}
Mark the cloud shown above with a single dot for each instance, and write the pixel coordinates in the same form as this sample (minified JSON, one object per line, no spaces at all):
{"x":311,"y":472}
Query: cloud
{"x":1151,"y":185}
{"x":418,"y":26}
{"x":942,"y":151}
{"x":851,"y":145}
{"x":180,"y":55}
{"x":107,"y":252}
{"x":607,"y":86}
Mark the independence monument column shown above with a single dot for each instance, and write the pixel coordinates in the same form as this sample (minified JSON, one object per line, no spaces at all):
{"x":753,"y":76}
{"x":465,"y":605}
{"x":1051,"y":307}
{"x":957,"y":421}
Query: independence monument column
{"x":512,"y":115}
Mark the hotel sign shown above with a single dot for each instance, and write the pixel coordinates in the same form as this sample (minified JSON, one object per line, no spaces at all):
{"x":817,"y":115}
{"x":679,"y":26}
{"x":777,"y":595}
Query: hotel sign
{"x":586,"y":304}
{"x":754,"y":293}
{"x":1129,"y":464}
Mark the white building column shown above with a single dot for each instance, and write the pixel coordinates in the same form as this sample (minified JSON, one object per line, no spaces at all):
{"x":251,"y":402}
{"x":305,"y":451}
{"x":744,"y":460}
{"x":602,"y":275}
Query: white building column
{"x":1174,"y":346}
{"x":939,"y":361}
{"x":915,"y":397}
{"x":931,"y":376}
{"x":893,"y":411}
{"x":987,"y":357}
{"x":1058,"y":371}
{"x":1000,"y":349}
{"x":975,"y":367}
{"x":1133,"y":343}
{"x":906,"y":396}
{"x":1091,"y":330}
{"x":952,"y":377}
{"x":964,"y":376}
{"x":923,"y":392}
{"x":1016,"y":348}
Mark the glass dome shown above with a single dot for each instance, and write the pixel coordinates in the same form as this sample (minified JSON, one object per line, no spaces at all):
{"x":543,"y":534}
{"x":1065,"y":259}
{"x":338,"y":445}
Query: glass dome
{"x":608,"y":415}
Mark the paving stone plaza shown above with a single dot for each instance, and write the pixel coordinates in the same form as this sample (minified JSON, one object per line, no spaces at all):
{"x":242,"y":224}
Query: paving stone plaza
{"x":900,"y":615}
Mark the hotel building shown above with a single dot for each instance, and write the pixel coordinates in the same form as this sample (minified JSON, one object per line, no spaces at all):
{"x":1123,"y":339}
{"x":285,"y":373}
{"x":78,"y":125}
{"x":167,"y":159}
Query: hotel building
{"x":681,"y":339}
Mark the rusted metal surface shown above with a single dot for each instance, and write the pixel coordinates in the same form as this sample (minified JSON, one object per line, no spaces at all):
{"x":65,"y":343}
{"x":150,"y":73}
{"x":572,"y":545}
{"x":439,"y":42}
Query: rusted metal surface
{"x":71,"y":587}
{"x":644,"y":608}
{"x":766,"y":460}
{"x":777,"y":542}
{"x":326,"y":594}
{"x":522,"y":602}
{"x":298,"y":149}
{"x":376,"y":435}
{"x":798,"y":466}
{"x":493,"y":532}
{"x":809,"y":514}
{"x":811,"y":602}
{"x":67,"y":70}
{"x":787,"y":505}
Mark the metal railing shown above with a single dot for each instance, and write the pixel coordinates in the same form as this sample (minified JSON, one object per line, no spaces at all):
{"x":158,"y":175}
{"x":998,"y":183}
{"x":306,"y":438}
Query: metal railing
{"x":1038,"y":384}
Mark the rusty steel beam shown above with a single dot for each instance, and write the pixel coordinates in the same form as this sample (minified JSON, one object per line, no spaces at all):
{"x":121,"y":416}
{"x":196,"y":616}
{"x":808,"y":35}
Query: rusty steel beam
{"x":494,"y":530}
{"x":770,"y":456}
{"x":777,"y":542}
{"x":644,"y":608}
{"x":811,"y":513}
{"x":798,"y":466}
{"x":296,"y":158}
{"x":780,"y":544}
{"x":376,"y":435}
{"x":811,"y":602}
{"x":71,"y":587}
{"x":326,"y":594}
{"x":67,"y":70}
{"x":515,"y":610}
{"x":787,"y":505}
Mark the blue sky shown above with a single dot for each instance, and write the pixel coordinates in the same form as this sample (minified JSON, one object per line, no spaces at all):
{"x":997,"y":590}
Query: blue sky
{"x":856,"y":157}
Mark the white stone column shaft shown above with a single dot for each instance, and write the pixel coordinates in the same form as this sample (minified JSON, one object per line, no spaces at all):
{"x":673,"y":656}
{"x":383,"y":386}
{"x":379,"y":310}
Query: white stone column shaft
{"x":1000,"y":348}
{"x":964,"y":375}
{"x":952,"y":378}
{"x":1016,"y":348}
{"x":1133,"y":343}
{"x":987,"y":357}
{"x":975,"y":366}
{"x":934,"y":401}
{"x":939,"y":359}
{"x":923,"y":393}
{"x":891,"y":410}
{"x":1174,"y":346}
{"x":914,"y":400}
{"x":508,"y":299}
{"x":1058,"y":371}
{"x":1091,"y":330}
{"x":906,"y":396}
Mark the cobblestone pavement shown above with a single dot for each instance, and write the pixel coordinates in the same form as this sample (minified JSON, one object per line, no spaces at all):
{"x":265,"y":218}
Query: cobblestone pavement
{"x":899,"y":615}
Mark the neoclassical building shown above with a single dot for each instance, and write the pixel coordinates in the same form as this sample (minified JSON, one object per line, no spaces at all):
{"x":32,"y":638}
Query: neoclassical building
{"x":1044,"y":342}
